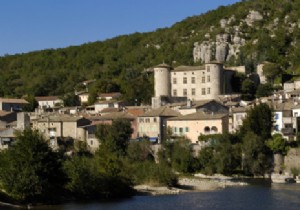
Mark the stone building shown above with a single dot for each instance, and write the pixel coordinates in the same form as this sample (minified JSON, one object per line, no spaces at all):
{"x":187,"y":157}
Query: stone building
{"x":190,"y":82}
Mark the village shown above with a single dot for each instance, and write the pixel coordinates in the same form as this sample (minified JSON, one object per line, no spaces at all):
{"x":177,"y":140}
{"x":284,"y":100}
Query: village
{"x":188,"y":102}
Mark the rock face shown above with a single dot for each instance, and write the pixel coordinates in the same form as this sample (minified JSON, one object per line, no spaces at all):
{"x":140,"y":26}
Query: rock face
{"x":225,"y":45}
{"x":222,"y":49}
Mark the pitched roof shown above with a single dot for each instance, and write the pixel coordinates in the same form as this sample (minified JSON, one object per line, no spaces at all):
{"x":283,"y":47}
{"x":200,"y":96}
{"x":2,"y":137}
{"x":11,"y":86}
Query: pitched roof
{"x":189,"y":68}
{"x":199,"y":116}
{"x":59,"y":118}
{"x":13,"y":100}
{"x":113,"y":116}
{"x":161,"y":112}
{"x":114,"y":94}
{"x":47,"y":98}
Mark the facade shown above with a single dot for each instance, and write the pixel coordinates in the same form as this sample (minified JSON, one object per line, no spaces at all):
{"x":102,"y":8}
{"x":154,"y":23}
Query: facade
{"x":61,"y":126}
{"x":205,"y":82}
{"x":11,"y":104}
{"x":152,"y":124}
{"x":193,"y":125}
{"x":48,"y":101}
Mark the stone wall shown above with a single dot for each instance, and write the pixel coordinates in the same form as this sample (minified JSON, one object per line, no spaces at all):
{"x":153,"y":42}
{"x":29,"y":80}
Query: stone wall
{"x":292,"y":159}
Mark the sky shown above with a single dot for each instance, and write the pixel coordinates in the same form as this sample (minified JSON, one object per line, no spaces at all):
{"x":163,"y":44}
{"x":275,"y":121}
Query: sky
{"x":30,"y":25}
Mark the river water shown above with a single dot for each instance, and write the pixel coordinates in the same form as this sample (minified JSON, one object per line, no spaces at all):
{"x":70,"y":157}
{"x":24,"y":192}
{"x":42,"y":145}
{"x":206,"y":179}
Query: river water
{"x":252,"y":197}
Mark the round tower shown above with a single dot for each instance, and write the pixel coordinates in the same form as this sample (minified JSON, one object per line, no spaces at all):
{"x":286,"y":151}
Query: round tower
{"x":215,"y":71}
{"x":162,"y":80}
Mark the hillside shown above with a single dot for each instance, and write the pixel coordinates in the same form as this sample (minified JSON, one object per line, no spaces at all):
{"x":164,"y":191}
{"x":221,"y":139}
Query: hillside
{"x":246,"y":33}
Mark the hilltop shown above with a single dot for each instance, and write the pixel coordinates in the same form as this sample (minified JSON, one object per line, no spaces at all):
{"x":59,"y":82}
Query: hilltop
{"x":246,"y":33}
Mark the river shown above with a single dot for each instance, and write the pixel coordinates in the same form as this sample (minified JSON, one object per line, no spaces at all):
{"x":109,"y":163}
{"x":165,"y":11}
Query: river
{"x":252,"y":197}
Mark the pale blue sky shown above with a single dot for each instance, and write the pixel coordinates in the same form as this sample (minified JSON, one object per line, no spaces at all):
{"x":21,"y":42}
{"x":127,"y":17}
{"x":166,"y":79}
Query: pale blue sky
{"x":29,"y":25}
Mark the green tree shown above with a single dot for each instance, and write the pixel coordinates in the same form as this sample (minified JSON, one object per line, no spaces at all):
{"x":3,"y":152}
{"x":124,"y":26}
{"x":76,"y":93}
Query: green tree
{"x":256,"y":156}
{"x":115,"y":137}
{"x":248,"y":90}
{"x":71,"y":100}
{"x":259,"y":120}
{"x":271,"y":71}
{"x":264,"y":90}
{"x":278,"y":144}
{"x":30,"y":170}
{"x":32,"y":104}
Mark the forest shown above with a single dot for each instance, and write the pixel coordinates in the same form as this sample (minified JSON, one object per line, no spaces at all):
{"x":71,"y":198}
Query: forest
{"x":114,"y":63}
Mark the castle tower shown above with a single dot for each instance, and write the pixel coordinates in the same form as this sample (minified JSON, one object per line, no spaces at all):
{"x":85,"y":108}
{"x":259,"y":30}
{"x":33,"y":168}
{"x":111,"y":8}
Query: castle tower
{"x":161,"y":80}
{"x":215,"y":70}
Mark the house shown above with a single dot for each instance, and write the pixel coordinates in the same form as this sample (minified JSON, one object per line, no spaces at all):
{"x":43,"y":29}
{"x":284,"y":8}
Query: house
{"x":83,"y":97}
{"x":7,"y":118}
{"x":100,"y":105}
{"x":203,"y":105}
{"x":20,"y":121}
{"x":49,"y":101}
{"x":193,"y":125}
{"x":238,"y":114}
{"x":56,"y":127}
{"x":283,"y":119}
{"x":109,"y":96}
{"x":152,"y":124}
{"x":12,"y":104}
{"x":109,"y":118}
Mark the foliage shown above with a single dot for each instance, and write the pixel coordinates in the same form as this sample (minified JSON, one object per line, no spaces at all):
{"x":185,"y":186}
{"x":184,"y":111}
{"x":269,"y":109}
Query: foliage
{"x":71,"y":99}
{"x":115,"y":137}
{"x":115,"y":63}
{"x":32,"y":104}
{"x":248,"y":90}
{"x":271,"y":71}
{"x":139,"y":151}
{"x":264,"y":90}
{"x":30,"y":170}
{"x":221,"y":156}
{"x":278,"y":144}
{"x":259,"y":120}
{"x":178,"y":155}
{"x":256,"y":155}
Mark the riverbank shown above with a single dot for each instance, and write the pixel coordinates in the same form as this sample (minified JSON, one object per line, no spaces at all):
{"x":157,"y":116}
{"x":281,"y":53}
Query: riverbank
{"x":193,"y":184}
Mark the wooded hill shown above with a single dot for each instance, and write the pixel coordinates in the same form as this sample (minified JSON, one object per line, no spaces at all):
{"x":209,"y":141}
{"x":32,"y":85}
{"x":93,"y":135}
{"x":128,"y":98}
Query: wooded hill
{"x":118,"y":64}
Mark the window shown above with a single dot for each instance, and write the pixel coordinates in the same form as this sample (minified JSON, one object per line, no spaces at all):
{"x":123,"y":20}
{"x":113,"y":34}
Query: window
{"x":184,"y":92}
{"x":203,"y":79}
{"x":203,"y":91}
{"x":186,"y":129}
{"x":193,"y":91}
{"x":147,"y":120}
{"x":214,"y":129}
{"x":296,"y":114}
{"x":174,"y":81}
{"x":208,"y":90}
{"x":208,"y":78}
{"x":208,"y":68}
{"x":206,"y":129}
{"x":92,"y":142}
{"x":180,"y":130}
{"x":184,"y":80}
{"x":193,"y":80}
{"x":141,"y":120}
{"x":174,"y":92}
{"x":154,"y":119}
{"x":276,"y":116}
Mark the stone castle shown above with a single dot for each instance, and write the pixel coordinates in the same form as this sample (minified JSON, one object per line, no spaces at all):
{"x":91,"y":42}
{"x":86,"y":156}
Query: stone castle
{"x":191,"y":82}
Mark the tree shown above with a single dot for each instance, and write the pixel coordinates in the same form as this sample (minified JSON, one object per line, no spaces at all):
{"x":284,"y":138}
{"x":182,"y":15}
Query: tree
{"x":71,"y":100}
{"x":264,"y":90}
{"x":248,"y":89}
{"x":256,"y":156}
{"x":271,"y":71}
{"x":30,"y":170}
{"x":277,"y":144}
{"x":115,"y":137}
{"x":259,"y":120}
{"x":32,"y":104}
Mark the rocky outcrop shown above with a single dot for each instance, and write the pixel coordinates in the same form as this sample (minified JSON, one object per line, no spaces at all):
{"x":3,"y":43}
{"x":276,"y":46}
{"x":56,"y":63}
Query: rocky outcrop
{"x":252,"y":17}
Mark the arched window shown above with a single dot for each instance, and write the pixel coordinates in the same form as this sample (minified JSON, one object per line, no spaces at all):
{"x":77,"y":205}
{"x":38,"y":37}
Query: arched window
{"x":214,"y":129}
{"x":206,"y":129}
